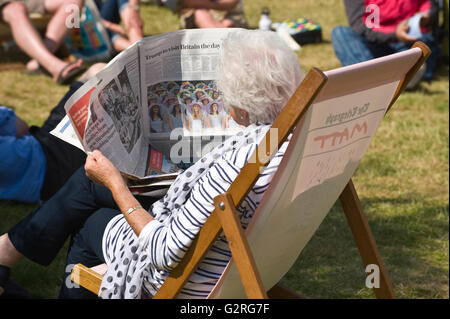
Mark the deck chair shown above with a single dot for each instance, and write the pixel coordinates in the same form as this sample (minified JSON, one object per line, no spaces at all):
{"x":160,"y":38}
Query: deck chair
{"x":332,"y":117}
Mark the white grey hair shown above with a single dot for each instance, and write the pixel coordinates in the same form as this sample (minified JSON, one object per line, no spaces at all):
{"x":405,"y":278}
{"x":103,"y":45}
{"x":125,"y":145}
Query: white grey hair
{"x":258,"y":73}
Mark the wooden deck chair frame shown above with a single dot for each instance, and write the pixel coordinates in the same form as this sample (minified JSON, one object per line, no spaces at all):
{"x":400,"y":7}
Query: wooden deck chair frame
{"x":225,"y":215}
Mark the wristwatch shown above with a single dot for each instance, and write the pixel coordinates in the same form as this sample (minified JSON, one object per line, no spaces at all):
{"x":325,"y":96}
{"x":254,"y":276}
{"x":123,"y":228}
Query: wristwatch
{"x":135,"y":7}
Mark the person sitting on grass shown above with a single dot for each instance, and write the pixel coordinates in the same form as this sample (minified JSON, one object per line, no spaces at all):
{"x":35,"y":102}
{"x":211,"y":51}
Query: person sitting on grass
{"x":34,"y":164}
{"x":257,"y":74}
{"x":379,"y":28}
{"x":211,"y":14}
{"x":15,"y":13}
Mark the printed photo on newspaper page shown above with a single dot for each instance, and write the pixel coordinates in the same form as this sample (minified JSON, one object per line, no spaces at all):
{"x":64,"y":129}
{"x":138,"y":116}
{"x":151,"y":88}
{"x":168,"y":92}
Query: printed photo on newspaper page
{"x":108,"y":117}
{"x":178,"y":73}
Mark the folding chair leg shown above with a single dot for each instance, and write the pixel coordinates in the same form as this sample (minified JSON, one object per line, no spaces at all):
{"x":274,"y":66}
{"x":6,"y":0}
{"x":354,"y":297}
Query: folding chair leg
{"x":364,"y":239}
{"x":239,"y":247}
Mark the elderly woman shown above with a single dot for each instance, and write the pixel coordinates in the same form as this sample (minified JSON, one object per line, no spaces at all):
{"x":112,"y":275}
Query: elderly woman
{"x":141,"y":247}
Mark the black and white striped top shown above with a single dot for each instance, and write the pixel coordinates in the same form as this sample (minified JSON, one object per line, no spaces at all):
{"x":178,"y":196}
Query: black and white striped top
{"x":137,"y":267}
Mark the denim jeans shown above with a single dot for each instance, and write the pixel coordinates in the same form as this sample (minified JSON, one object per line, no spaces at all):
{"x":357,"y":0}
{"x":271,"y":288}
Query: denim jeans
{"x":110,"y":9}
{"x":352,"y":48}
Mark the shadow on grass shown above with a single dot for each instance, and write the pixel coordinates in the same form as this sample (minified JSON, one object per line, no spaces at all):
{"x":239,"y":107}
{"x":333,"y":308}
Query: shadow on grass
{"x":412,"y":240}
{"x":426,"y":91}
{"x":12,"y":60}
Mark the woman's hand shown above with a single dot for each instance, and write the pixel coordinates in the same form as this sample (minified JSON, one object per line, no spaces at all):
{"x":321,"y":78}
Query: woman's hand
{"x":402,"y":32}
{"x":101,"y":171}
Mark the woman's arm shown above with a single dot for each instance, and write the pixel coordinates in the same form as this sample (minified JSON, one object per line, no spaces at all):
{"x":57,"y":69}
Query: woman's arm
{"x":101,"y":171}
{"x":170,"y":123}
{"x":189,"y":123}
{"x":151,"y":129}
{"x":224,"y":122}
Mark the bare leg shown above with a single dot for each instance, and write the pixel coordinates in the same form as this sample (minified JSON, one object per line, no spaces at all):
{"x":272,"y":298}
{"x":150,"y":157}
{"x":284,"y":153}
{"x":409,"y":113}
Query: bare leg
{"x":133,"y":24}
{"x":9,"y":256}
{"x":56,"y":29}
{"x":29,"y":40}
{"x":121,"y":44}
{"x":204,"y":19}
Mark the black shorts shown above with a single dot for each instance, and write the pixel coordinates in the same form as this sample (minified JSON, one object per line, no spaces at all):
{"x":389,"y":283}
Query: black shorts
{"x":62,"y":158}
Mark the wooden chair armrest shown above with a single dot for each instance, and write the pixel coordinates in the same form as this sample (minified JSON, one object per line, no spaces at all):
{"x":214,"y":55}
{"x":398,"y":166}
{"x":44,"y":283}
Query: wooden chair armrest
{"x":87,"y":278}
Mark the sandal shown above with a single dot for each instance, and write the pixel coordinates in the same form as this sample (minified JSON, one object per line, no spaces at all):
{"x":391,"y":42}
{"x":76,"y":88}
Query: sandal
{"x":70,"y":76}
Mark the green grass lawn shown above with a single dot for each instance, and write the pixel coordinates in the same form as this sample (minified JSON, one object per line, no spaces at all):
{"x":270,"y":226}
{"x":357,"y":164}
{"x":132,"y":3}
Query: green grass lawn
{"x":402,"y":181}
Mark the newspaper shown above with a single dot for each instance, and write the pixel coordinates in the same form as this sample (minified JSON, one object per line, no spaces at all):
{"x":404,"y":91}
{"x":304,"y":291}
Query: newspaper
{"x":154,"y":106}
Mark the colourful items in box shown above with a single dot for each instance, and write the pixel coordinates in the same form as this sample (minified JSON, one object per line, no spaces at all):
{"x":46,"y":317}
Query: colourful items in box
{"x":302,"y":30}
{"x":302,"y":25}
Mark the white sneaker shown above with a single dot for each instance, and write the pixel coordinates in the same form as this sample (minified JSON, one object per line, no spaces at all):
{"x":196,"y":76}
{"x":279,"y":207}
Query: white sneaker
{"x":417,"y":78}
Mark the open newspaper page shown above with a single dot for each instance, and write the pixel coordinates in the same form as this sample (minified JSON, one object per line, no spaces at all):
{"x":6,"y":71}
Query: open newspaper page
{"x":64,"y":130}
{"x":186,"y":115}
{"x":72,"y":126}
{"x":107,"y":114}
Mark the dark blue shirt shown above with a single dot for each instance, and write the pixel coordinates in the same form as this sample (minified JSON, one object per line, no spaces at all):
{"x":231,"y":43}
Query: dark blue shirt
{"x":22,"y":162}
